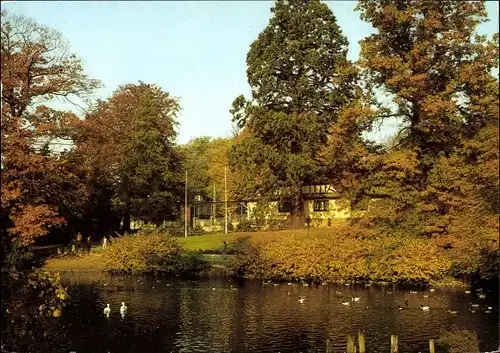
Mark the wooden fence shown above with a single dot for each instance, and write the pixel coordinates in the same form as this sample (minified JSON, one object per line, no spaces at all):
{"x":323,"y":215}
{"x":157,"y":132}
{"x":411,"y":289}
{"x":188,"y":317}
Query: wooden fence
{"x":361,"y":347}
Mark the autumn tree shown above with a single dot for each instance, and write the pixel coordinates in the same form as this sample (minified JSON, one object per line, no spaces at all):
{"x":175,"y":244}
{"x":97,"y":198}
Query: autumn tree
{"x":37,"y":65}
{"x":130,"y":139}
{"x":427,"y":67}
{"x":301,"y":80}
{"x":206,"y":161}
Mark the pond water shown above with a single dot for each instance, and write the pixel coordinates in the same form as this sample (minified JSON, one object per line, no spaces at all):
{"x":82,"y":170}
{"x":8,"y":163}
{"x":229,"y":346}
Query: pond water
{"x":174,"y":315}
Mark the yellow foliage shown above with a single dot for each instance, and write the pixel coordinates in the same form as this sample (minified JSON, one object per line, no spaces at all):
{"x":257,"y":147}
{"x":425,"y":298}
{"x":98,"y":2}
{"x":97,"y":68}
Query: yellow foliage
{"x":340,"y":256}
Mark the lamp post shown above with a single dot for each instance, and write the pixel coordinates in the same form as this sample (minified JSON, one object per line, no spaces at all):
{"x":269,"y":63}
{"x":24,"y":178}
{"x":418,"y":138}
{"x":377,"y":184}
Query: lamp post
{"x":225,"y":199}
{"x":225,"y":196}
{"x":185,"y":206}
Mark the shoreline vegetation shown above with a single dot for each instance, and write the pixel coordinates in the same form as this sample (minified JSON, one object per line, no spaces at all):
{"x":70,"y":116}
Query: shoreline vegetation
{"x":320,"y":255}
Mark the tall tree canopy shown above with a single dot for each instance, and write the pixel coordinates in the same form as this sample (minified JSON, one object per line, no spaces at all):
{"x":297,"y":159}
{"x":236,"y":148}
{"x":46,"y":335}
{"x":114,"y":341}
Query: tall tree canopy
{"x":440,"y":177}
{"x":38,"y":187}
{"x":130,"y":138}
{"x":301,"y":80}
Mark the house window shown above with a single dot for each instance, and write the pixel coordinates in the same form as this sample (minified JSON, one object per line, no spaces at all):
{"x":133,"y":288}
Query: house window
{"x":320,"y":205}
{"x":284,"y":207}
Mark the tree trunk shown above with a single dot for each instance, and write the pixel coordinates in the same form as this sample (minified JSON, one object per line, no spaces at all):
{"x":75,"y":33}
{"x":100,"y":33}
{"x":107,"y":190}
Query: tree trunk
{"x":297,"y":215}
{"x":126,"y":218}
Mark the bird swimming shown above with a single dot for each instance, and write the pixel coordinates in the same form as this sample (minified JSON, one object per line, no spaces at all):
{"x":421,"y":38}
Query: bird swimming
{"x":107,"y":309}
{"x":424,"y":308}
{"x":355,"y":299}
{"x":452,"y":311}
{"x":346,"y":303}
{"x":302,"y":299}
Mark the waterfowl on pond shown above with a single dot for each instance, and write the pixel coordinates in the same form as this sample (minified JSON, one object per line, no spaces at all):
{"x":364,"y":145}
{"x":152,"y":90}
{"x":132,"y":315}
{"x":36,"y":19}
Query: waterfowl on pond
{"x":368,"y":284}
{"x":487,"y":311}
{"x":474,"y":305}
{"x":288,"y":293}
{"x":368,"y":307}
{"x":213,"y":288}
{"x":400,"y":307}
{"x":432,"y":290}
{"x":305,"y":284}
{"x":452,"y":311}
{"x":489,"y":307}
{"x":275,"y":284}
{"x":123,"y":308}
{"x":424,"y":308}
{"x":425,"y":295}
{"x":324,"y":283}
{"x":481,"y":296}
{"x":302,"y":299}
{"x":467,"y":292}
{"x":232,"y":287}
{"x":346,"y":303}
{"x":290,"y":284}
{"x":413,"y":292}
{"x":107,"y":309}
{"x":355,"y":299}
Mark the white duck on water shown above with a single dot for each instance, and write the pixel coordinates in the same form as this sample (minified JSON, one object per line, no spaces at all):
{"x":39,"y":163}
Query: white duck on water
{"x":107,"y":310}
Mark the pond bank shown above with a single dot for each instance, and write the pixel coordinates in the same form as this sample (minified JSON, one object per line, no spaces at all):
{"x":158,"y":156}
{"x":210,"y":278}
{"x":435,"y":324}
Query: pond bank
{"x":218,"y":267}
{"x":321,"y":255}
{"x":94,"y":261}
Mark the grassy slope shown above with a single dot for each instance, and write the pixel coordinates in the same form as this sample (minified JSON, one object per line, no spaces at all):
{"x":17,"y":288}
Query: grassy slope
{"x":214,"y":241}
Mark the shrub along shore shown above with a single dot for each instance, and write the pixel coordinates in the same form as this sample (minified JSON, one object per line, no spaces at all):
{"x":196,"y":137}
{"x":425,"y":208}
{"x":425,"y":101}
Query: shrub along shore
{"x":321,"y":255}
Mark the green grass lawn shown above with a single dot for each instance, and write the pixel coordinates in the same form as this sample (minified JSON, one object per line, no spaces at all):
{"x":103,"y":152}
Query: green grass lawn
{"x":215,"y":241}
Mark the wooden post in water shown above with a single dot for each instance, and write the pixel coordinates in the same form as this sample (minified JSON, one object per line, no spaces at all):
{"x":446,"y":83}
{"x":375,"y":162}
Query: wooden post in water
{"x":394,"y":344}
{"x":351,"y":348}
{"x":329,"y":348}
{"x":361,"y":342}
{"x":432,"y":349}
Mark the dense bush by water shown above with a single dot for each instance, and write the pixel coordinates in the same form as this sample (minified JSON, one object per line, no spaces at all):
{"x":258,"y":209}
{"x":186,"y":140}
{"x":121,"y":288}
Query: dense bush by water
{"x":147,"y":252}
{"x":340,"y":256}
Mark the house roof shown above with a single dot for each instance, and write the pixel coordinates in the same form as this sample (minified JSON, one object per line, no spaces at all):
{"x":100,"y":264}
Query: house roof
{"x":308,"y":191}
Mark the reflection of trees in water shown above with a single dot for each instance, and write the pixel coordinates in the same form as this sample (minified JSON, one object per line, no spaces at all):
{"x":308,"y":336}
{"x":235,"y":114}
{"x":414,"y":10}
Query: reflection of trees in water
{"x":206,"y":317}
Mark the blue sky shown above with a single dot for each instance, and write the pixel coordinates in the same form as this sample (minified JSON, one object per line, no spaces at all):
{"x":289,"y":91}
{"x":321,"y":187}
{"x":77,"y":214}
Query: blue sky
{"x":194,"y":50}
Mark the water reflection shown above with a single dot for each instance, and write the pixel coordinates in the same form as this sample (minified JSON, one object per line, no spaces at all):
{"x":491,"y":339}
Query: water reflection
{"x":172,"y":315}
